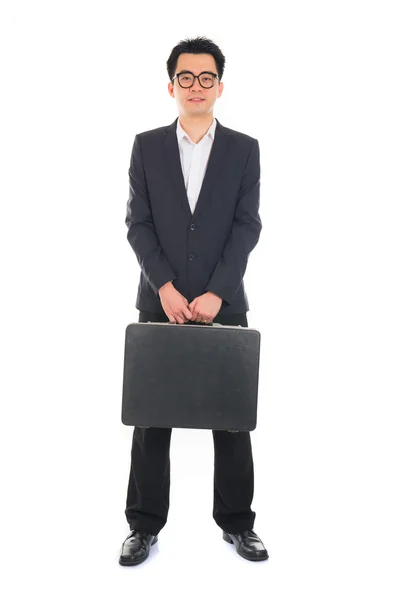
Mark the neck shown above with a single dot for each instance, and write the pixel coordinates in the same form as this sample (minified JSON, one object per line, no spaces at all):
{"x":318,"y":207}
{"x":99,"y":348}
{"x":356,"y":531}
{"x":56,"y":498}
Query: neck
{"x":196,"y":127}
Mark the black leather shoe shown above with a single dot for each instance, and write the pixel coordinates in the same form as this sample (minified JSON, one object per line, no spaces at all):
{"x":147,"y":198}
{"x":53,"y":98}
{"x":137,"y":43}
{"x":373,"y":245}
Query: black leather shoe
{"x":136,"y":547}
{"x":248,"y":544}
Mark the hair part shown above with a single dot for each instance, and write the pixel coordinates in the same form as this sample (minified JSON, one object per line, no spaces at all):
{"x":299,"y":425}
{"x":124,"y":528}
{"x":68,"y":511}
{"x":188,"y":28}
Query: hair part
{"x":199,"y":45}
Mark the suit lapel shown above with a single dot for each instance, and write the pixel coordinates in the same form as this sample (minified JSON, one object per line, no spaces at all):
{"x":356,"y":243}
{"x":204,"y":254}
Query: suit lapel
{"x":219,"y":157}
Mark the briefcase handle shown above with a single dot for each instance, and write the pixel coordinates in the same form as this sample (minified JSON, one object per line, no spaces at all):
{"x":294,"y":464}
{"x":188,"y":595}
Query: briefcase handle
{"x":201,"y":324}
{"x":190,"y":323}
{"x":212,"y":324}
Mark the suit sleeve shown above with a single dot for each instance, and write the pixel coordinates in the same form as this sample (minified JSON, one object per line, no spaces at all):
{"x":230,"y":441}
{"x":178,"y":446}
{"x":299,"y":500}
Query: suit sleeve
{"x":141,"y":231}
{"x":244,"y":235}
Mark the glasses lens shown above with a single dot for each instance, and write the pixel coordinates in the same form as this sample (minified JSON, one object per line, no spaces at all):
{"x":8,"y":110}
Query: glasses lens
{"x":186,"y":79}
{"x":207,"y":80}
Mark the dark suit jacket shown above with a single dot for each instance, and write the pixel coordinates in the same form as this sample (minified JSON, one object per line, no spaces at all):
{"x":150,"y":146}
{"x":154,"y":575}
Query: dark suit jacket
{"x":206,"y":250}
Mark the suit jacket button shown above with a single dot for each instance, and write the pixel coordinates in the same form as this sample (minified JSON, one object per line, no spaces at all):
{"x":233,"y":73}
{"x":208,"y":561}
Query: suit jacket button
{"x":192,"y":227}
{"x":191,"y":256}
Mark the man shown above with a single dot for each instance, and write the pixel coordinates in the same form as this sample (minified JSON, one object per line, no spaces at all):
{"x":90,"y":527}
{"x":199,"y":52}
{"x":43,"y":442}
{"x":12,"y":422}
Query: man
{"x":192,"y":218}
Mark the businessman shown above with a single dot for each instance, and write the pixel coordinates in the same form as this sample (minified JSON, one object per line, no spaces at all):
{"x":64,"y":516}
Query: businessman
{"x":192,"y":219}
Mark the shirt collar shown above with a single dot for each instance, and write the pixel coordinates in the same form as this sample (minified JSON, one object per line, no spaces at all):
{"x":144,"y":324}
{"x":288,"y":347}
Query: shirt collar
{"x":180,"y":132}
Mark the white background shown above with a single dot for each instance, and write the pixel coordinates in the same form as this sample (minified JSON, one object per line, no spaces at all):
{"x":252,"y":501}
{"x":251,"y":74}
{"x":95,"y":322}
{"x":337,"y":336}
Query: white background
{"x":317,"y":83}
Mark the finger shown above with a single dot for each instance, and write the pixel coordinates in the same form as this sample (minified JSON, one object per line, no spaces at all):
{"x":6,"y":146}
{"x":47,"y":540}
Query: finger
{"x":179,"y":319}
{"x":195,"y":310}
{"x":171,"y":318}
{"x":187,"y":313}
{"x":183,"y":316}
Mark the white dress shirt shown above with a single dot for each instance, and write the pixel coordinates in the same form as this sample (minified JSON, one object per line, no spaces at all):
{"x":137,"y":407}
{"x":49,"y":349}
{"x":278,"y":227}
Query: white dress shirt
{"x":194,"y":159}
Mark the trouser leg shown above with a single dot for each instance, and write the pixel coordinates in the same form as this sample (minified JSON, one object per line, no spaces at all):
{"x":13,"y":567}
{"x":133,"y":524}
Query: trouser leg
{"x":233,"y":481}
{"x":233,"y":469}
{"x":147,"y":501}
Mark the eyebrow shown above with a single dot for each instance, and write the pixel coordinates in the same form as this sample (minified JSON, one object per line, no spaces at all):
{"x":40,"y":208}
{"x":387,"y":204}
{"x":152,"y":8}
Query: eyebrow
{"x":191,"y":72}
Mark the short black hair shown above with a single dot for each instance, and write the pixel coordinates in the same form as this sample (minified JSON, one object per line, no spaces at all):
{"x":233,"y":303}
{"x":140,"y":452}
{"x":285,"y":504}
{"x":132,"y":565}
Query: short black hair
{"x":199,"y":45}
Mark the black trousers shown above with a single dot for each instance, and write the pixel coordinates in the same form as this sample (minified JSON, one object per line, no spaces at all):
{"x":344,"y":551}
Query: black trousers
{"x":147,"y":501}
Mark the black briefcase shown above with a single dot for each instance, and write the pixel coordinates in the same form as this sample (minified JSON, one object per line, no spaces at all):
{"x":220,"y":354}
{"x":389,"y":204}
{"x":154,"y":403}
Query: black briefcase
{"x":188,"y":375}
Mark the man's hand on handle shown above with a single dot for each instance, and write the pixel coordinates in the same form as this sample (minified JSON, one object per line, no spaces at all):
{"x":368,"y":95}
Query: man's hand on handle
{"x":202,"y":309}
{"x":205,"y":307}
{"x":174,"y":304}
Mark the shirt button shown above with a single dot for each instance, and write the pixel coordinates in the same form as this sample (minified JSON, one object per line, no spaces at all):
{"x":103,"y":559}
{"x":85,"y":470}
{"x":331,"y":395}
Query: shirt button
{"x":191,"y":256}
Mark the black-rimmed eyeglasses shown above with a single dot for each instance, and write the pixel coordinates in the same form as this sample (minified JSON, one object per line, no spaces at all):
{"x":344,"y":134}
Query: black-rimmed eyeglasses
{"x":186,"y":79}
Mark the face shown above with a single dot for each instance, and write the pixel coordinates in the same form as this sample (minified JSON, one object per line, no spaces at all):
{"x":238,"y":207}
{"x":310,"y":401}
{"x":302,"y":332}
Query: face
{"x":196,"y":63}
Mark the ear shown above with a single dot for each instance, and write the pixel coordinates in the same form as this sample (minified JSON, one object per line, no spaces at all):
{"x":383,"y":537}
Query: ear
{"x":171,"y":90}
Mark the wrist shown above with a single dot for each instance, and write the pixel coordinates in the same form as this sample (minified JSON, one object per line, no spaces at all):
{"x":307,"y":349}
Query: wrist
{"x":219,"y":297}
{"x":165,"y":286}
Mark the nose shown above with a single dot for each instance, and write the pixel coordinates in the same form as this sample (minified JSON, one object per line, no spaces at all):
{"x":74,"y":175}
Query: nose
{"x":196,"y":86}
{"x":196,"y":83}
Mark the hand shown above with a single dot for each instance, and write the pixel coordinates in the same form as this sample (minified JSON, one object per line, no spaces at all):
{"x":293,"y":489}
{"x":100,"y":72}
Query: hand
{"x":205,"y":307}
{"x":174,"y":304}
